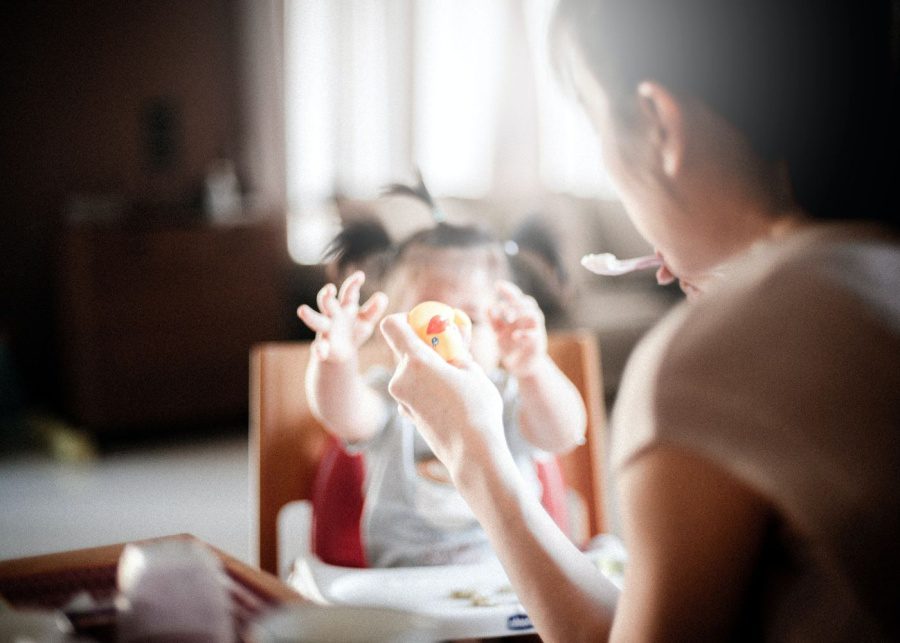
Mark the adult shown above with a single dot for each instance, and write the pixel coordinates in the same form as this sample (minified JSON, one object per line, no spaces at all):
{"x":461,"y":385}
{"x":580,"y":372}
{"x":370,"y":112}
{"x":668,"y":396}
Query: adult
{"x":755,"y":437}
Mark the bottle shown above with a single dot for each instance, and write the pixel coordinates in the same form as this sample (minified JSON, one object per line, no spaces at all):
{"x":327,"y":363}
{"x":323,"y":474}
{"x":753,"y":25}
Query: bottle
{"x":221,"y":193}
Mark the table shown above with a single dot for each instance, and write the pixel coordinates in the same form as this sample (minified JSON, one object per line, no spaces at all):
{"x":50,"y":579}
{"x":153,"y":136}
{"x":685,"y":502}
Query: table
{"x":49,"y":581}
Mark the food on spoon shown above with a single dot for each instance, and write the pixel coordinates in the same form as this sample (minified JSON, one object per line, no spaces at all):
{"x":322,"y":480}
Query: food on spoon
{"x":606,"y":263}
{"x":446,"y":329}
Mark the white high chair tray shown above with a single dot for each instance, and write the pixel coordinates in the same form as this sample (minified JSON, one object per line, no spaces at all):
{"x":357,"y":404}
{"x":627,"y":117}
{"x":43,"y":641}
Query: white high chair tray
{"x":459,"y":600}
{"x":444,"y":597}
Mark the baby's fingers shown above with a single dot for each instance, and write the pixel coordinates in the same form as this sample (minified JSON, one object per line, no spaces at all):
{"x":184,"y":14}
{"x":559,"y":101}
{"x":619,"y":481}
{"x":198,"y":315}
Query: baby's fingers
{"x":316,"y":321}
{"x":513,"y":297}
{"x":524,"y":323}
{"x":521,"y":334}
{"x":368,"y":315}
{"x":349,"y":292}
{"x":374,"y":307}
{"x":326,"y":299}
{"x":502,"y":314}
{"x":507,"y":287}
{"x":509,"y":292}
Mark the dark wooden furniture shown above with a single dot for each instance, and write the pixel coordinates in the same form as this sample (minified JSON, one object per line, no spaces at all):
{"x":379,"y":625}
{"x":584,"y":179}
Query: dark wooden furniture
{"x":156,"y":321}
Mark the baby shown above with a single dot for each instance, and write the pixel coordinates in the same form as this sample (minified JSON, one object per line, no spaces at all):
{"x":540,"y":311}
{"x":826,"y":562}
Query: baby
{"x":412,"y":513}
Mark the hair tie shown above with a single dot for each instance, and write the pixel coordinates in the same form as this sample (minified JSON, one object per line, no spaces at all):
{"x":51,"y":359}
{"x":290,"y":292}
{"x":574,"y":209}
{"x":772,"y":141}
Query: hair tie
{"x":511,"y":248}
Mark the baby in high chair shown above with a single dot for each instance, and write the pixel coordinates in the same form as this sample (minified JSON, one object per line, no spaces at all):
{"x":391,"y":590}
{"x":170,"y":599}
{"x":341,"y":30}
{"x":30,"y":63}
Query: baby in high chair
{"x":412,"y":514}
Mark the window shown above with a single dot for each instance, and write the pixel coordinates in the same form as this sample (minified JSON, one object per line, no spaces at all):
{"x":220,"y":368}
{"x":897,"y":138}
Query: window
{"x":461,"y":89}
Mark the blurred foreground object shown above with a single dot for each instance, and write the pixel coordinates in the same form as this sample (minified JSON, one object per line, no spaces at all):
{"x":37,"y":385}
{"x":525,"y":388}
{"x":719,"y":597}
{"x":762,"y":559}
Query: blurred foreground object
{"x":172,"y":590}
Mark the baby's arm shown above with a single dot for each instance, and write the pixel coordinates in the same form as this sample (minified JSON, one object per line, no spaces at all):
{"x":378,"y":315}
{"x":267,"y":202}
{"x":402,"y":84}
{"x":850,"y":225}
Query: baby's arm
{"x":338,"y":395}
{"x":552,"y":415}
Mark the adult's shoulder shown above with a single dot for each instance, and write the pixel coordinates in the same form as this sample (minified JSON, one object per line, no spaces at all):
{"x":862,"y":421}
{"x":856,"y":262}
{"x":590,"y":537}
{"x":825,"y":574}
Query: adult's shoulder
{"x":812,"y":296}
{"x":802,"y":338}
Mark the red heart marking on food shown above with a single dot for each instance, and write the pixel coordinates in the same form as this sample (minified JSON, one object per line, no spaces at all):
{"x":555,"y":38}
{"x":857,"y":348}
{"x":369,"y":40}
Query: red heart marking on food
{"x":436,"y":325}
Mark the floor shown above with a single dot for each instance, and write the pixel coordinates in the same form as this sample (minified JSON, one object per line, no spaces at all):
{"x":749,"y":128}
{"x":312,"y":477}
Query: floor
{"x":197,"y":485}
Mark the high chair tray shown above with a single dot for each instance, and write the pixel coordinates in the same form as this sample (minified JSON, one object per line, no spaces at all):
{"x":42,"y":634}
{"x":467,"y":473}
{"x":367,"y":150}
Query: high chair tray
{"x":461,"y":601}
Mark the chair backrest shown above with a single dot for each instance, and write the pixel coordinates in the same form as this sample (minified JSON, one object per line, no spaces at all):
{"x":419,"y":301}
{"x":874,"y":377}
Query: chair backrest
{"x":287,"y":444}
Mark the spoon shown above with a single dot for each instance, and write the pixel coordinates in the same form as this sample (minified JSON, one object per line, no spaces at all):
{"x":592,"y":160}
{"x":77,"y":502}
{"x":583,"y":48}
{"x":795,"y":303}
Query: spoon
{"x":608,"y":264}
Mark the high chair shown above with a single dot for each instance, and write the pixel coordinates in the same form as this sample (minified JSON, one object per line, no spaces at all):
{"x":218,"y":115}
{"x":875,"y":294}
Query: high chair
{"x":292,"y":458}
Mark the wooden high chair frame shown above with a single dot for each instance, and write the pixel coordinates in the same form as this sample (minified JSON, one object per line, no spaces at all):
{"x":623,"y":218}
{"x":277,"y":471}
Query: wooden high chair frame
{"x":286,"y":443}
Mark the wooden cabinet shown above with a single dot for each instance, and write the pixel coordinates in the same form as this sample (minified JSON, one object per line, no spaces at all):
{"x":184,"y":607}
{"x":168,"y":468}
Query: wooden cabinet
{"x":157,"y":322}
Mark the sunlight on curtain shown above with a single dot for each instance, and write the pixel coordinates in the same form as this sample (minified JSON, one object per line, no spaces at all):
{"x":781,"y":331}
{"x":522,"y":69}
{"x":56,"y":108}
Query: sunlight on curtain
{"x":345,"y":93}
{"x":310,"y":91}
{"x":311,"y":86}
{"x":569,"y":152}
{"x":374,"y":88}
{"x":459,"y":55}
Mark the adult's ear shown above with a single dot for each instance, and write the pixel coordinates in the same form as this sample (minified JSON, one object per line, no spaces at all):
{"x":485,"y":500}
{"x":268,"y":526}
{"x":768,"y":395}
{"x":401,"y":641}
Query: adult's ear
{"x":665,"y":119}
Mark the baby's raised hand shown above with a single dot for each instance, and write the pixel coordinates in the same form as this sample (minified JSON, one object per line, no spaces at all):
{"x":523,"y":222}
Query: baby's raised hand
{"x":521,"y":333}
{"x":341,"y":324}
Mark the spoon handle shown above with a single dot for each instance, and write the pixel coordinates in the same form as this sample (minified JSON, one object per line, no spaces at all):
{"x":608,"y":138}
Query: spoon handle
{"x":642,"y":263}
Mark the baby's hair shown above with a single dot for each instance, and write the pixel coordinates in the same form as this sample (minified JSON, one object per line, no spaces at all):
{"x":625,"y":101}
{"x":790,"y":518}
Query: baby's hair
{"x":533,"y":235}
{"x":365,"y":243}
{"x":535,"y":263}
{"x":358,"y":243}
{"x":443,"y":235}
{"x":419,"y":192}
{"x":538,"y":268}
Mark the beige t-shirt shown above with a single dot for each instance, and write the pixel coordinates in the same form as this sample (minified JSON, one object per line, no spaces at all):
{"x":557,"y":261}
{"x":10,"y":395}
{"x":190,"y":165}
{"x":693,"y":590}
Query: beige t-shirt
{"x":788,"y":378}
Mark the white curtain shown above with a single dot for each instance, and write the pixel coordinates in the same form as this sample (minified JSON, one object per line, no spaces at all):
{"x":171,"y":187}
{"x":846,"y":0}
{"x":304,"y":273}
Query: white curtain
{"x":261,"y":149}
{"x":460,"y":88}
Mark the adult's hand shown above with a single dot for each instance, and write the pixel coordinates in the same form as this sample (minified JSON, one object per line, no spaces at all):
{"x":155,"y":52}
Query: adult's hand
{"x":455,"y":407}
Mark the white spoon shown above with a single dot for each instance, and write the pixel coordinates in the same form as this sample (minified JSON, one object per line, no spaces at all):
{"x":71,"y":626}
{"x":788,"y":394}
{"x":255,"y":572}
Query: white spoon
{"x":606,"y":263}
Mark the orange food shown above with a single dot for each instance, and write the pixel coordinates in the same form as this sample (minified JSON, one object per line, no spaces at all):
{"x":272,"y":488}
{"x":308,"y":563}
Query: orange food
{"x":446,"y":329}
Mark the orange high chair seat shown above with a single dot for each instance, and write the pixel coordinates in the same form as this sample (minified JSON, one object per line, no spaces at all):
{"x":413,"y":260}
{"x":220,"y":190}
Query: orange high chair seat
{"x":293,"y":458}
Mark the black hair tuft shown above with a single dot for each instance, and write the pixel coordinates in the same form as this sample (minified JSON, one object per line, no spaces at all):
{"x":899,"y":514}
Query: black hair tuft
{"x":419,"y":192}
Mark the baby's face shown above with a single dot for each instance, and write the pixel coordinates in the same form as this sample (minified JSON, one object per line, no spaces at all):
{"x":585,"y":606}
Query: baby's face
{"x":469,"y":287}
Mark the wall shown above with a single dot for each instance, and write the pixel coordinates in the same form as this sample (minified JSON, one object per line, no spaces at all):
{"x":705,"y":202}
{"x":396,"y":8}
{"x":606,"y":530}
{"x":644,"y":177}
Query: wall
{"x":78,"y":79}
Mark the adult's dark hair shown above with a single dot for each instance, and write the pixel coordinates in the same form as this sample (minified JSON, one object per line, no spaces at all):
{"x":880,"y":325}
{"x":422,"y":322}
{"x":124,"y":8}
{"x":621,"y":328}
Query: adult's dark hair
{"x":813,"y":84}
